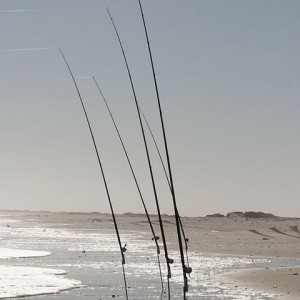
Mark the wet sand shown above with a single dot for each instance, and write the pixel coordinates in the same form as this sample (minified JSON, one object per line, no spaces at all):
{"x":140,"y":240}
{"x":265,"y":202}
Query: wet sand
{"x":234,"y":235}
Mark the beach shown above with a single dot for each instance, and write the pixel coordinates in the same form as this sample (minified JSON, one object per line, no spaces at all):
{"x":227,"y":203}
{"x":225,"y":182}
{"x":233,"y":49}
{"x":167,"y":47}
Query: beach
{"x":272,"y":239}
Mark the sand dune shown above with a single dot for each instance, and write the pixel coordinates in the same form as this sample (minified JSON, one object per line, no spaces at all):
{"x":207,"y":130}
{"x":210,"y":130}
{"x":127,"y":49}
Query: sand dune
{"x":280,"y":232}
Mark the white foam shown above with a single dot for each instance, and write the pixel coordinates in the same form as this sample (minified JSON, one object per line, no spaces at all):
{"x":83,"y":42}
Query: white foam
{"x":6,"y":253}
{"x":5,"y":220}
{"x":17,"y":281}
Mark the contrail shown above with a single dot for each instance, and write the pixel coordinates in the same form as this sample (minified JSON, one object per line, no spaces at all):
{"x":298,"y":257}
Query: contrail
{"x":38,"y":10}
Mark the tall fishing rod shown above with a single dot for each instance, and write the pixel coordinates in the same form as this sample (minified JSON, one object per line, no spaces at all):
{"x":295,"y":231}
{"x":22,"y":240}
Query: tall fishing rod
{"x":168,"y":260}
{"x":122,"y":248}
{"x":186,"y":240}
{"x":186,"y":270}
{"x":155,"y":238}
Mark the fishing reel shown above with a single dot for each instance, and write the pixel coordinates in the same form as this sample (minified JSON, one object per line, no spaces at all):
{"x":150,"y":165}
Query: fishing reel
{"x":188,"y":270}
{"x":170,"y":260}
{"x":123,"y":249}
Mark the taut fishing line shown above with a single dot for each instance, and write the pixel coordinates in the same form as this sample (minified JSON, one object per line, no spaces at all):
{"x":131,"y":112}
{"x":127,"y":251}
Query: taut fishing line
{"x":186,"y":240}
{"x":185,"y":269}
{"x":168,"y":260}
{"x":28,"y":49}
{"x":155,"y":238}
{"x":38,"y":10}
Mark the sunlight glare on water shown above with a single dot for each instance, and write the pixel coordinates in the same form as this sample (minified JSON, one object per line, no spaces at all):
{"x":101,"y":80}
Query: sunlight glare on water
{"x":92,"y":257}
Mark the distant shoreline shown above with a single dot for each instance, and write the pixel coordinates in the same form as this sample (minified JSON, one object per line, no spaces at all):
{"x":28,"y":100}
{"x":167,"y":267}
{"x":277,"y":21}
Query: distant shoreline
{"x":246,"y":214}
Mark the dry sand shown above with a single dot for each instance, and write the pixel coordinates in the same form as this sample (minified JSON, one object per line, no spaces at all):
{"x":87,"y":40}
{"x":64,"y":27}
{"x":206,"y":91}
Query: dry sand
{"x":235,"y":235}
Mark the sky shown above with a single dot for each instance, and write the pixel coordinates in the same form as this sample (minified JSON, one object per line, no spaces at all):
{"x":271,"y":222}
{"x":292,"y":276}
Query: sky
{"x":228,"y":75}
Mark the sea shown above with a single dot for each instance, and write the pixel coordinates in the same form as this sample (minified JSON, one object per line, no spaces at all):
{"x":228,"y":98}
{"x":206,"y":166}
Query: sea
{"x":54,"y":262}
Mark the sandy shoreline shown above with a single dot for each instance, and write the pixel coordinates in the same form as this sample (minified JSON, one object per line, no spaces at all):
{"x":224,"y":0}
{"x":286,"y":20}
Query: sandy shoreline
{"x":283,"y":281}
{"x":234,"y":235}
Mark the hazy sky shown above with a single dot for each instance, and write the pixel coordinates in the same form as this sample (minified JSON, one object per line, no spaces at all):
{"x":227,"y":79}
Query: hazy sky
{"x":228,"y":74}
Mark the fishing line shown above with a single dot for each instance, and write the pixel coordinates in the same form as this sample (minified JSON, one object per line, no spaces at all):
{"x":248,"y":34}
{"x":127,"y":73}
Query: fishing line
{"x":28,"y":49}
{"x":186,"y":240}
{"x":38,"y":10}
{"x":168,"y":260}
{"x":186,"y":270}
{"x":155,"y":238}
{"x":122,"y":248}
{"x":47,"y":80}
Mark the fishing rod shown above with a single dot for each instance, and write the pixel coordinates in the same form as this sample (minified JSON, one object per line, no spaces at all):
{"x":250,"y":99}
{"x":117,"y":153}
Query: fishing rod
{"x":155,"y":238}
{"x":186,"y":270}
{"x":168,"y":259}
{"x":122,"y":248}
{"x":186,"y":240}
